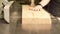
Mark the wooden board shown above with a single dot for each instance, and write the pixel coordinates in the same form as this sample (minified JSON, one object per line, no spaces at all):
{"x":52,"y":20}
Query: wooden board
{"x":36,"y":27}
{"x":35,"y":17}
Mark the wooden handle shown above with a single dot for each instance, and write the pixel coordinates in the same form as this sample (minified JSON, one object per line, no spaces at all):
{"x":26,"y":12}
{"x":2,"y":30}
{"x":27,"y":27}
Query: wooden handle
{"x":32,"y":3}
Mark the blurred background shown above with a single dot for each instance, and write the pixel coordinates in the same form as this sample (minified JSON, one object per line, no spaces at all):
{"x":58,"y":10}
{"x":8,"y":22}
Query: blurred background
{"x":15,"y":25}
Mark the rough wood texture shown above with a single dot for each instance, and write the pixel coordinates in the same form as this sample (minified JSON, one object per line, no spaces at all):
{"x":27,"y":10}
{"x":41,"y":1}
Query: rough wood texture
{"x":35,"y":17}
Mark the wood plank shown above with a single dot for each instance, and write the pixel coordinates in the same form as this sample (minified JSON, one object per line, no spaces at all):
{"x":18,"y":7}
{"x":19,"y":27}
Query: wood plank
{"x":35,"y":17}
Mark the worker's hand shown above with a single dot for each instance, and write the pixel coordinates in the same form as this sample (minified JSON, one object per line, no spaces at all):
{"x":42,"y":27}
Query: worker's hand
{"x":36,"y":8}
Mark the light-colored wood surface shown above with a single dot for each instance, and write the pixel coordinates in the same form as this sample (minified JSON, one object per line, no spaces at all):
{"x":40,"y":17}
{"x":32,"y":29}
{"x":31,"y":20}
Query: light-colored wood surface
{"x":35,"y":17}
{"x":36,"y":27}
